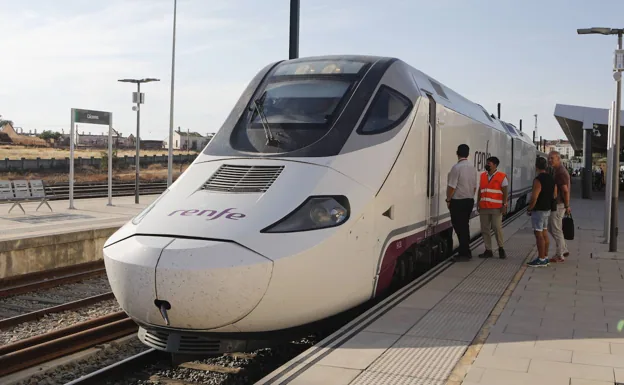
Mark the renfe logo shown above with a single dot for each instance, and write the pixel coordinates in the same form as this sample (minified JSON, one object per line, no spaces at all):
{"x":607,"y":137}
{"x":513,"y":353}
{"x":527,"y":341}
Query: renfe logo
{"x":212,"y":214}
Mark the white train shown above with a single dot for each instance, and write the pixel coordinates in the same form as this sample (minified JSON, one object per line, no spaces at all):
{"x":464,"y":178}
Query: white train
{"x":324,"y":186}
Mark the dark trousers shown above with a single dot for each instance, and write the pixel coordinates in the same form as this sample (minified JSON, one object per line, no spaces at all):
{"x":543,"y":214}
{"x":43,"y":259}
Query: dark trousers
{"x":460,"y":219}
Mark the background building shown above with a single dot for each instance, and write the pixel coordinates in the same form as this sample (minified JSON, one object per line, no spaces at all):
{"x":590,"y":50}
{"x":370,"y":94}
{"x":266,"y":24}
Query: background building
{"x":564,"y":147}
{"x":86,"y":139}
{"x":189,"y":140}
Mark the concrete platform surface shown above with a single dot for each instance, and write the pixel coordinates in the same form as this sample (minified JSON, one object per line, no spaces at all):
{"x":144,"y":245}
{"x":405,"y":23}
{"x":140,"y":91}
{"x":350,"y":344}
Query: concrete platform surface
{"x":562,"y":322}
{"x":90,"y":214}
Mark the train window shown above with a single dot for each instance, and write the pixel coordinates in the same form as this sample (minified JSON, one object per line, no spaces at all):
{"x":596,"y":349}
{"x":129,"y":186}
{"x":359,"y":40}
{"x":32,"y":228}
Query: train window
{"x":486,"y":114}
{"x":388,"y":109}
{"x":510,"y":128}
{"x":438,"y":88}
{"x":304,"y":102}
{"x":320,"y":67}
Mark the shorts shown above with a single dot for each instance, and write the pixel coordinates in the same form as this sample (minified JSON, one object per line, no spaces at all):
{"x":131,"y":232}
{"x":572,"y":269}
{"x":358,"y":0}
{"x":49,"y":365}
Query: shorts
{"x":539,"y":220}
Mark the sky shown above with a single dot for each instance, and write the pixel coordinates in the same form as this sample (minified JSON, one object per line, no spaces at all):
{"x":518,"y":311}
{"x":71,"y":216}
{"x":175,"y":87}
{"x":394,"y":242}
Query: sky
{"x":65,"y":54}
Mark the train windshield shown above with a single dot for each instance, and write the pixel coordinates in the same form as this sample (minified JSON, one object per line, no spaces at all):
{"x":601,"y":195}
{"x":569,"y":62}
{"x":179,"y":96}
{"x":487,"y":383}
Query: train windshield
{"x":304,"y":102}
{"x":296,"y":106}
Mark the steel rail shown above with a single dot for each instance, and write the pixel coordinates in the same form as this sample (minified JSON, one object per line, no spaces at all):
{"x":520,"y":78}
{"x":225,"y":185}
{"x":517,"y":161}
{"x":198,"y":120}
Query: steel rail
{"x":49,"y":283}
{"x":38,"y":349}
{"x":35,"y":315}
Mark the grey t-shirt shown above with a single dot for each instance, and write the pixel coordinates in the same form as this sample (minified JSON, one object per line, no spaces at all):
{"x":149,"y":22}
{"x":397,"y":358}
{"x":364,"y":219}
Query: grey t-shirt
{"x":463,"y":178}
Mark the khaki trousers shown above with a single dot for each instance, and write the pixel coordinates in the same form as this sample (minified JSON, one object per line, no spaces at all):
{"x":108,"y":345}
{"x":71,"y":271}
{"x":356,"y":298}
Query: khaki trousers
{"x":491,"y":219}
{"x":555,"y":226}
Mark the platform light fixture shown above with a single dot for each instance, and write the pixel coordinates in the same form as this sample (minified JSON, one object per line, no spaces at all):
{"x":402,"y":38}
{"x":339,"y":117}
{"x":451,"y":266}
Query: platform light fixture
{"x":138,"y":98}
{"x":617,"y":76}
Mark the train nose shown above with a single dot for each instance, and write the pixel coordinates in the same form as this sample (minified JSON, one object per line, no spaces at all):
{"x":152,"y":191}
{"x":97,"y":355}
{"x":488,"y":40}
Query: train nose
{"x":196,"y":284}
{"x":210,"y":284}
{"x":130,"y":268}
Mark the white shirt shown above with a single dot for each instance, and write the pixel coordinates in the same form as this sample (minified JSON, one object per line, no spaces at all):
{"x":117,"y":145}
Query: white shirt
{"x":503,"y":184}
{"x":463,"y":177}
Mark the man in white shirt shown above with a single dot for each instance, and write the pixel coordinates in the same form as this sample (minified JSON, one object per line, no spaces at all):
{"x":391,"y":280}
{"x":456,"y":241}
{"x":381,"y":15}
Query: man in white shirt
{"x":460,"y":193}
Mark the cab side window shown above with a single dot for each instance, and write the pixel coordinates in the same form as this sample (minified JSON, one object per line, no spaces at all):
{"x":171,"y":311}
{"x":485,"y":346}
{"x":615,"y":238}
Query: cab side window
{"x":388,"y":109}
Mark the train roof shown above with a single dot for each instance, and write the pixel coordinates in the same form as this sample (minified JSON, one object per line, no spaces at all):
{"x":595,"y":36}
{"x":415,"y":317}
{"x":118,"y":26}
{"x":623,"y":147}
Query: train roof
{"x":460,"y":104}
{"x":443,"y":94}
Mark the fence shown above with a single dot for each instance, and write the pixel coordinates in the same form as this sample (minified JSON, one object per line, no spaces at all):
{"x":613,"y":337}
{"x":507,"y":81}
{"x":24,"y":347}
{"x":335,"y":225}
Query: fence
{"x":39,"y":164}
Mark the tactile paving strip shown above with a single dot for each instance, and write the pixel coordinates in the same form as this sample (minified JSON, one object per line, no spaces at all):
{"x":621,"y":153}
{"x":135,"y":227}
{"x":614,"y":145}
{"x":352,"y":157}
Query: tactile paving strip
{"x":420,"y":357}
{"x":502,"y":270}
{"x":377,"y":378}
{"x":449,"y":325}
{"x":482,"y":285}
{"x":467,"y":303}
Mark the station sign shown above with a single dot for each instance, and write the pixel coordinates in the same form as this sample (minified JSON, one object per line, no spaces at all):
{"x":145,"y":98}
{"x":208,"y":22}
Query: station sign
{"x":91,"y":116}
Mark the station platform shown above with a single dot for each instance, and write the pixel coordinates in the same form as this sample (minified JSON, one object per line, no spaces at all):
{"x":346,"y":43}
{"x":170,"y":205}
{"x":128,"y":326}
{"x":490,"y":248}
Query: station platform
{"x":488,"y":322}
{"x":44,"y":239}
{"x":88,"y":214}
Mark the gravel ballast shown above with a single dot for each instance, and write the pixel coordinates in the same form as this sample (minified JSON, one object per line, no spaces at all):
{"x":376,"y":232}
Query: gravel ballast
{"x":42,"y":299}
{"x":108,"y":355}
{"x":56,"y":321}
{"x":254,"y":365}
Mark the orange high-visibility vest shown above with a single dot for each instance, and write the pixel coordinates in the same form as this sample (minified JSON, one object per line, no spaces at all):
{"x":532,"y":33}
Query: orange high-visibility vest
{"x":491,"y":191}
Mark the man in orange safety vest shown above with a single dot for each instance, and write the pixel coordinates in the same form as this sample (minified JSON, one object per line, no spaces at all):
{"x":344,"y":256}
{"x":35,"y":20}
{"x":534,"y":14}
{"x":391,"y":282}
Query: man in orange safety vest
{"x":492,"y":205}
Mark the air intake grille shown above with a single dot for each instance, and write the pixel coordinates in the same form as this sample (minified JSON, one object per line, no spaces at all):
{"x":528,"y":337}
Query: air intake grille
{"x":174,"y":342}
{"x":243,"y":179}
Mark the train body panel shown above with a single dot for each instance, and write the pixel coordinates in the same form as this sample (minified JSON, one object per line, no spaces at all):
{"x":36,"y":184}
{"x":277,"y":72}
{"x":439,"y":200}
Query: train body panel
{"x":327,"y":173}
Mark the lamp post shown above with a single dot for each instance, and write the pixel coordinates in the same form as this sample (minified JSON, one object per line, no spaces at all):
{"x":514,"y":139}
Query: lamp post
{"x":170,"y":158}
{"x":293,"y":44}
{"x":615,"y":185}
{"x":138,"y":98}
{"x":535,"y":124}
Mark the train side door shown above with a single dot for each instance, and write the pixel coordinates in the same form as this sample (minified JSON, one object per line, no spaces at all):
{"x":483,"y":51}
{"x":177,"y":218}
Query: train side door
{"x":433,"y":193}
{"x":510,"y":177}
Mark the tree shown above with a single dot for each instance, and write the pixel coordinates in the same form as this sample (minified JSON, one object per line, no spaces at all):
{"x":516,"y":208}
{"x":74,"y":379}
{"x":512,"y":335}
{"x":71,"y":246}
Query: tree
{"x":5,"y":122}
{"x":104,"y":161}
{"x":48,"y":135}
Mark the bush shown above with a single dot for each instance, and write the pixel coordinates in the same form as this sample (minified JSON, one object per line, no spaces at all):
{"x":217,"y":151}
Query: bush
{"x":104,"y":163}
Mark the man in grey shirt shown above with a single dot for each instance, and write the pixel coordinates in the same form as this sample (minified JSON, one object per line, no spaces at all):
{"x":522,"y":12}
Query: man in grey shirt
{"x":460,"y":193}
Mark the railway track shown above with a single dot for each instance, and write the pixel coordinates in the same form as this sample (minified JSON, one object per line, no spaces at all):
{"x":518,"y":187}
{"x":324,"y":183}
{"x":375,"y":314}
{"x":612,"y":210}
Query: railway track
{"x":50,"y":278}
{"x":99,"y":190}
{"x":38,"y":314}
{"x":42,"y":348}
{"x":38,"y":303}
{"x":152,"y":361}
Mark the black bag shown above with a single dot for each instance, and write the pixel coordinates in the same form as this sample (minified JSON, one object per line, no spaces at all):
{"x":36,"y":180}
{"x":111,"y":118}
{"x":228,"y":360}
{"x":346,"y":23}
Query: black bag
{"x":567,"y":226}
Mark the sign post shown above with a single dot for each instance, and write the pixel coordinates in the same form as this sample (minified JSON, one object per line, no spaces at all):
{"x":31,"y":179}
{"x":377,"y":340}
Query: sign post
{"x":90,"y":117}
{"x":71,"y":161}
{"x":610,"y":170}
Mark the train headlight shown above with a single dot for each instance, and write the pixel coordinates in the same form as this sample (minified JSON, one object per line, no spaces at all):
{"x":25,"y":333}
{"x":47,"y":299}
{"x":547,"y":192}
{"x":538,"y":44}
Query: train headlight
{"x":315,"y":213}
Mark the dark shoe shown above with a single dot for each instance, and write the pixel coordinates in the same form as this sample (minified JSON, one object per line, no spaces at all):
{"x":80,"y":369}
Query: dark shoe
{"x":461,"y":258}
{"x":486,"y":254}
{"x":501,"y":253}
{"x":538,"y":263}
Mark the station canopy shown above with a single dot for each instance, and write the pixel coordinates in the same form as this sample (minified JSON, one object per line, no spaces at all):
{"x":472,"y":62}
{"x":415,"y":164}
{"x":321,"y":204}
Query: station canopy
{"x":574,"y":119}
